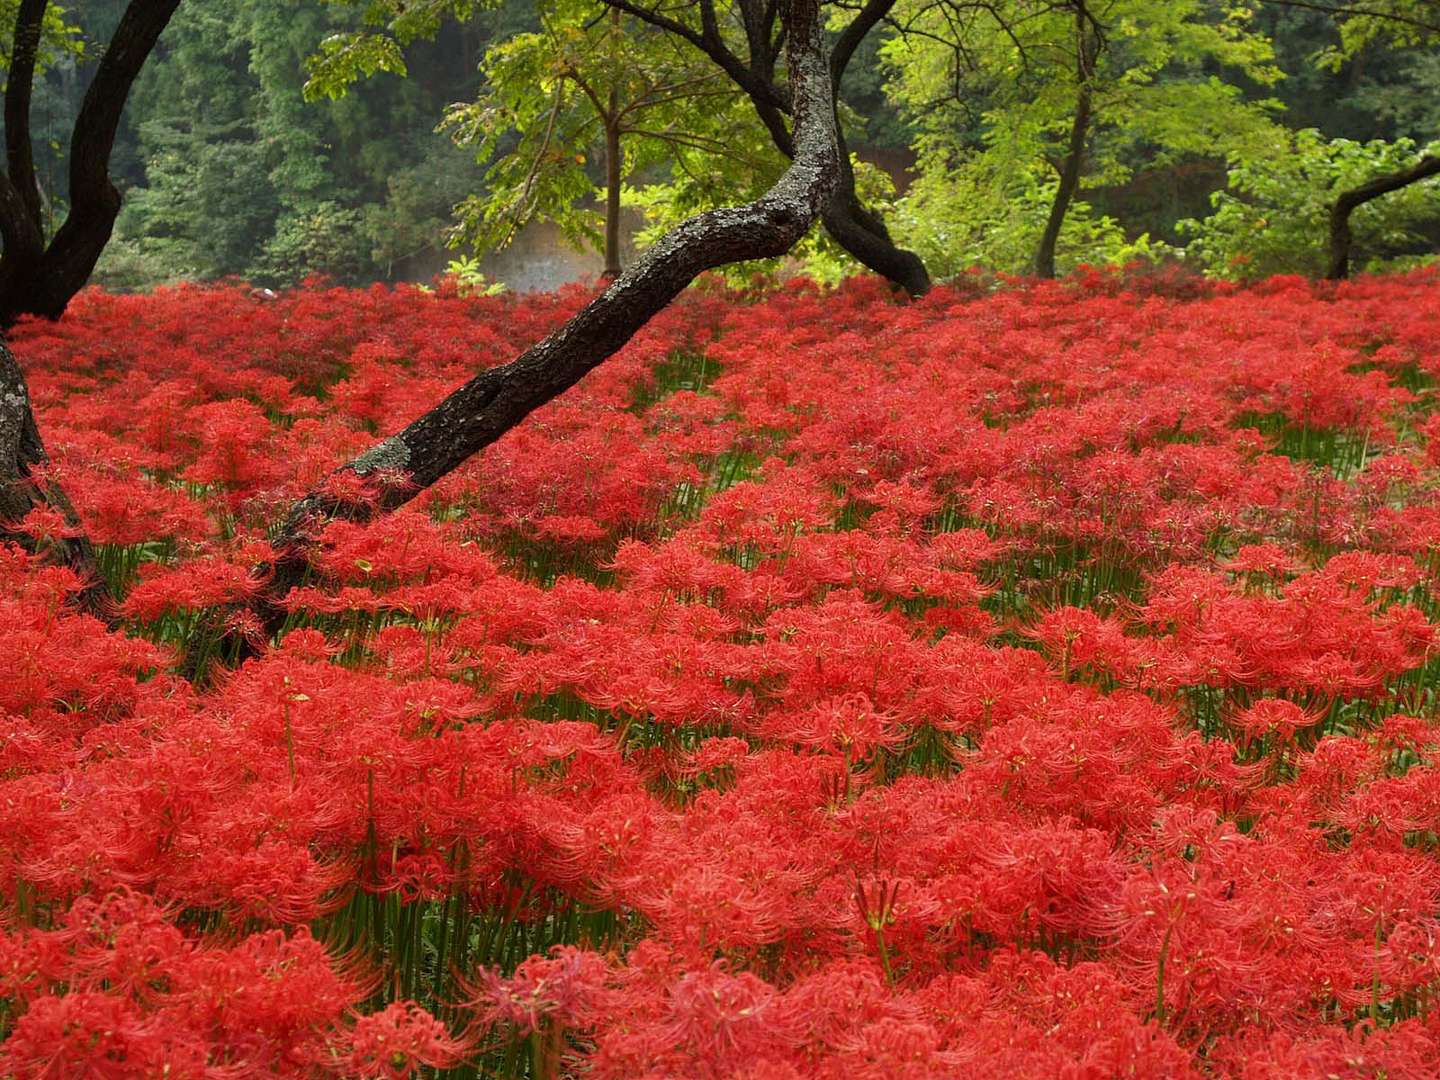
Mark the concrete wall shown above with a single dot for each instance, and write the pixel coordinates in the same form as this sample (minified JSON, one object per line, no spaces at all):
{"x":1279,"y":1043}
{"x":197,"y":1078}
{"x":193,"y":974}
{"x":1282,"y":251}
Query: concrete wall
{"x":538,"y":260}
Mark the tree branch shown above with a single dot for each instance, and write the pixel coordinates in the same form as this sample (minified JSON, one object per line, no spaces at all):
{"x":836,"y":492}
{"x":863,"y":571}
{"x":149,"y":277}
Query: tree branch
{"x":19,"y":85}
{"x":1351,"y":11}
{"x":493,"y":402}
{"x":1341,"y":237}
{"x":865,"y":20}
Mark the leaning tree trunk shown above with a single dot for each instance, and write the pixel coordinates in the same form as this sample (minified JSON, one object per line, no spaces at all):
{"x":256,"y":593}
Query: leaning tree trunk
{"x":26,"y":486}
{"x":1341,"y":238}
{"x":494,"y":401}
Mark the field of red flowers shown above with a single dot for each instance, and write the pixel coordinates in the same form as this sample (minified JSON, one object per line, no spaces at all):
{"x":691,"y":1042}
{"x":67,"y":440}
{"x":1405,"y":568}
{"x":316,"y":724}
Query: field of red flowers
{"x":1037,"y":684}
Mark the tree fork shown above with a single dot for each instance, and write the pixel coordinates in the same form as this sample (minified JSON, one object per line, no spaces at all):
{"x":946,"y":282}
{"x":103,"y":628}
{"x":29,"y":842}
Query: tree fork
{"x":36,"y":279}
{"x":852,"y":225}
{"x":1341,"y":237}
{"x":41,"y":280}
{"x":493,"y":402}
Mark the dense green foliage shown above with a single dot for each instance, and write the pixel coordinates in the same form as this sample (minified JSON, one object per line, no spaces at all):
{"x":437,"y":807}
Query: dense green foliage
{"x":359,"y":139}
{"x":1272,"y":218}
{"x":1145,"y":73}
{"x":552,"y":99}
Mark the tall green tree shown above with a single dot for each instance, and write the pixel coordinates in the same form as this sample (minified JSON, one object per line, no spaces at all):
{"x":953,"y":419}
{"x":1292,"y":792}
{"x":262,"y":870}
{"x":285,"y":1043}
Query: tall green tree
{"x":590,"y":79}
{"x":1027,"y":102}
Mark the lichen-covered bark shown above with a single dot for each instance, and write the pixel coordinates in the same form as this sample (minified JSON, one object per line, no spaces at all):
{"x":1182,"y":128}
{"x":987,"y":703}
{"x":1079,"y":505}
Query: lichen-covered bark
{"x":24,"y":487}
{"x":493,"y":402}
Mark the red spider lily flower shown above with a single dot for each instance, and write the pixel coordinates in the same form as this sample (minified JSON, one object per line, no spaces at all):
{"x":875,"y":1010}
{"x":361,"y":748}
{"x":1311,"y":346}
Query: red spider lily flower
{"x":1273,"y":717}
{"x":96,"y":1034}
{"x":197,"y":584}
{"x":400,"y":1040}
{"x":603,"y":681}
{"x":569,"y":988}
{"x":848,"y":725}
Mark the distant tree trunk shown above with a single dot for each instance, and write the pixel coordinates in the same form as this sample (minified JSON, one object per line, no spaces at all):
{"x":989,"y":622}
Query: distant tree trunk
{"x":1341,"y":238}
{"x":494,"y":401}
{"x":612,"y":193}
{"x":25,"y":487}
{"x":38,"y":278}
{"x":613,"y":158}
{"x":1087,"y":49}
{"x":1069,"y":184}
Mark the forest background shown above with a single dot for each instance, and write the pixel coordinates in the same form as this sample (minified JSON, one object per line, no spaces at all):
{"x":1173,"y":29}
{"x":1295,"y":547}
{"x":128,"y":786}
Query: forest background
{"x":250,"y":149}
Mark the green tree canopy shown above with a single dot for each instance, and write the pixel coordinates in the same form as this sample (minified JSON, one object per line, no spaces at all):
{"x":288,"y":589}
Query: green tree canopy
{"x":1011,"y":98}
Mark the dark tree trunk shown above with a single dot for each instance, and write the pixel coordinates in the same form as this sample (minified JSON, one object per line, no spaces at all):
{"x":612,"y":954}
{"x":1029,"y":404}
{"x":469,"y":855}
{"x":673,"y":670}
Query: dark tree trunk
{"x":1087,"y":51}
{"x":1341,"y":238}
{"x":41,"y":279}
{"x":36,"y":279}
{"x":853,"y":226}
{"x":25,"y":487}
{"x":494,"y":401}
{"x":21,"y":231}
{"x":19,"y":154}
{"x":612,"y":193}
{"x":862,"y":233}
{"x":1069,"y":184}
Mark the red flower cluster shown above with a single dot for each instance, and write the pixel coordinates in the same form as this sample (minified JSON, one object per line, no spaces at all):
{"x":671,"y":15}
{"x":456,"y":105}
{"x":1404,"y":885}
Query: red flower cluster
{"x":1031,"y":685}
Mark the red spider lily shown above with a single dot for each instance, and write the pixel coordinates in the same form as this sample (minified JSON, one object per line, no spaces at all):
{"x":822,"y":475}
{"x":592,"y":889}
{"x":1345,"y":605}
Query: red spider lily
{"x":1088,"y":626}
{"x":569,"y":988}
{"x":397,"y":1042}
